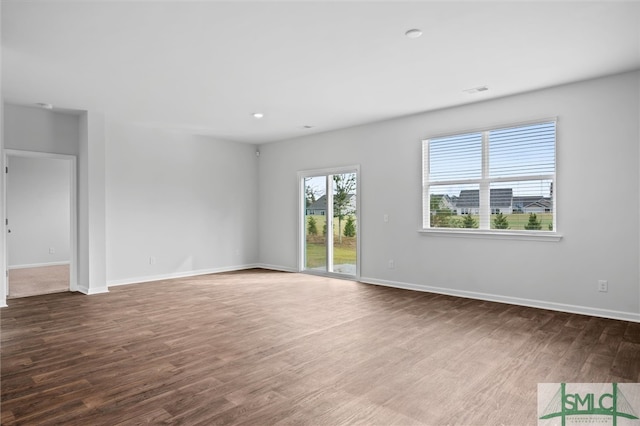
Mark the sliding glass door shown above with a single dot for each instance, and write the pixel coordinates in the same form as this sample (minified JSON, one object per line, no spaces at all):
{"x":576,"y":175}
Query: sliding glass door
{"x":329,"y":221}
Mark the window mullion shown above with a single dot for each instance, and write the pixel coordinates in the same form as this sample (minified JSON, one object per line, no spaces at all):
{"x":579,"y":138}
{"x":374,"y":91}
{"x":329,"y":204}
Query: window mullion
{"x":485,"y":213}
{"x":426,"y":199}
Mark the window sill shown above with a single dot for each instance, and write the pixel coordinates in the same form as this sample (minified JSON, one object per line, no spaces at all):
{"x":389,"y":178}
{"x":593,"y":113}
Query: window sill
{"x":493,"y":235}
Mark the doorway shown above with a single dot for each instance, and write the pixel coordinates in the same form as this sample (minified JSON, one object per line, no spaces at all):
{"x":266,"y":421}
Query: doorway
{"x":40,"y":223}
{"x":329,"y":222}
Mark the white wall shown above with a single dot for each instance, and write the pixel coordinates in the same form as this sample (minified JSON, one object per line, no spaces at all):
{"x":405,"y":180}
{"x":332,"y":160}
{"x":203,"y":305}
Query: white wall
{"x":188,"y":201}
{"x":38,"y":208}
{"x":36,"y":129}
{"x":598,"y":162}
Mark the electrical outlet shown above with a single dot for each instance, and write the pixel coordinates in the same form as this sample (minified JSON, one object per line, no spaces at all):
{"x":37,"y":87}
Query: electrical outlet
{"x":52,"y":250}
{"x":385,"y":217}
{"x":152,"y":260}
{"x":392,"y":264}
{"x":603,"y":286}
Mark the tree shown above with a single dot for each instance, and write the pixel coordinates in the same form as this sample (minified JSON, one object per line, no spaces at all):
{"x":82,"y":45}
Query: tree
{"x":469,"y":222}
{"x":500,"y":222}
{"x":310,"y":195}
{"x":455,"y":222}
{"x":344,"y":186}
{"x":440,"y":216}
{"x":324,"y":229}
{"x":534,"y":223}
{"x":312,"y":228}
{"x":350,"y":227}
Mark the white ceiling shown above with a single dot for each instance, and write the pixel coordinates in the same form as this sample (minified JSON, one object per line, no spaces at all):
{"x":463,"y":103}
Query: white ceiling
{"x":205,"y":67}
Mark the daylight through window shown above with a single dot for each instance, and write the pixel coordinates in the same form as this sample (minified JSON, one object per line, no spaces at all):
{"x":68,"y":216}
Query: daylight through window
{"x":497,"y":179}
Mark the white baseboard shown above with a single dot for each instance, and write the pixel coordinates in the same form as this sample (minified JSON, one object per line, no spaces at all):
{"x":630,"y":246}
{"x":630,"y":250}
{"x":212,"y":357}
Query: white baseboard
{"x":276,"y":267}
{"x":91,"y":291}
{"x":138,"y":280}
{"x":574,"y":309}
{"x":38,"y":265}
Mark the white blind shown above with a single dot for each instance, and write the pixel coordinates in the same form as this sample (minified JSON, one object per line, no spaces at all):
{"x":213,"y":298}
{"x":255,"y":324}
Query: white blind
{"x":520,"y":151}
{"x":455,"y":157}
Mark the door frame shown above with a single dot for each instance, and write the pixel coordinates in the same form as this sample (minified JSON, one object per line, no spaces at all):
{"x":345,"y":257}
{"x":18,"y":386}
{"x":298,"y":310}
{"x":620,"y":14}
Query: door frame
{"x":302,"y":223}
{"x":73,"y":210}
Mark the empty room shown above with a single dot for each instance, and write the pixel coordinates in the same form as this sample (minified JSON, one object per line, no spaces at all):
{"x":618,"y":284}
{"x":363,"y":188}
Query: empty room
{"x":320,"y":212}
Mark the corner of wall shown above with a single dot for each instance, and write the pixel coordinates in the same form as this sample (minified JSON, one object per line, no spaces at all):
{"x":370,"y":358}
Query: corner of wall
{"x":92,"y":277}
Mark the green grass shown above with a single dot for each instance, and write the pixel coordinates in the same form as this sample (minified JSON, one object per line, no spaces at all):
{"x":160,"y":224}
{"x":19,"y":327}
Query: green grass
{"x":317,"y":255}
{"x":517,"y":221}
{"x":316,"y":252}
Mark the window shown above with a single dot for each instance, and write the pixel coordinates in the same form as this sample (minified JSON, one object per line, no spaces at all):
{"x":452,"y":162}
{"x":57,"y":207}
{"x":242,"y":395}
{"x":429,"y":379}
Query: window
{"x":493,"y":180}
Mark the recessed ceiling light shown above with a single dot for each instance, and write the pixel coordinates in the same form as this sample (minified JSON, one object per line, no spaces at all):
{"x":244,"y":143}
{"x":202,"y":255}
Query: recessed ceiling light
{"x":258,"y":115}
{"x":476,"y":89}
{"x":414,"y":33}
{"x":45,"y":106}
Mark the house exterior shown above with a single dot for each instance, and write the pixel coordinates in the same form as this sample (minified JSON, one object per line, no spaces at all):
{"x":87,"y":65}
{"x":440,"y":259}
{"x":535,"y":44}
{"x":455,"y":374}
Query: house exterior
{"x":500,"y":201}
{"x":443,"y":201}
{"x":532,"y":204}
{"x":319,"y":207}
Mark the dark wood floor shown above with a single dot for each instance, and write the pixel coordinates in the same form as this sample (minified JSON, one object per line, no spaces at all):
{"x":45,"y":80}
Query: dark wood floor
{"x":264,"y":348}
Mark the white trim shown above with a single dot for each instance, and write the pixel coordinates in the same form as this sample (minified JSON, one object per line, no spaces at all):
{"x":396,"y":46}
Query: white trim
{"x":540,"y":304}
{"x":329,"y":237}
{"x":494,"y":127}
{"x":302,"y":206}
{"x":39,"y":265}
{"x":138,"y":280}
{"x":90,"y":291}
{"x":329,"y":170}
{"x":484,"y":186}
{"x":336,"y":275}
{"x":492,"y":234}
{"x":276,"y":267}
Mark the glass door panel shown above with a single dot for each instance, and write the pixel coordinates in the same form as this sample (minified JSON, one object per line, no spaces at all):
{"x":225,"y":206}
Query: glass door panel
{"x":344,"y":253}
{"x":315,"y":223}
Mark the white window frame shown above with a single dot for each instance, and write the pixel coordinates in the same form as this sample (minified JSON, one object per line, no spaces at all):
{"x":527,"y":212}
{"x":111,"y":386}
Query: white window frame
{"x":483,"y":230}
